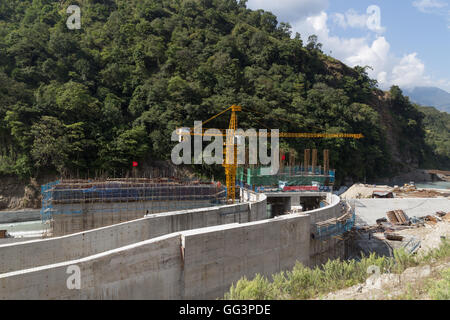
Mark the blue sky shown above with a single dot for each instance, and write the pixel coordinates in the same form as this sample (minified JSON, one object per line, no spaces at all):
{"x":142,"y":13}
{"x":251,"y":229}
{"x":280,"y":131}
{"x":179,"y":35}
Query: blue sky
{"x":407,"y":42}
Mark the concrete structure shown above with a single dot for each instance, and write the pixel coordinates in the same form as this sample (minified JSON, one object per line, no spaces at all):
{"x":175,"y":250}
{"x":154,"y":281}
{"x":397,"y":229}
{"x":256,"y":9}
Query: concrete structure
{"x":369,"y":210}
{"x":282,"y":202}
{"x":97,"y":215}
{"x":150,"y":258}
{"x":54,"y":250}
{"x":19,"y":216}
{"x":25,"y":230}
{"x":79,"y":205}
{"x":197,"y":264}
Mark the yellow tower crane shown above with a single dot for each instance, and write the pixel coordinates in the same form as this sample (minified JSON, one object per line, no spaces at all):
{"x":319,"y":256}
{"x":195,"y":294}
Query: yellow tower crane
{"x":230,"y":163}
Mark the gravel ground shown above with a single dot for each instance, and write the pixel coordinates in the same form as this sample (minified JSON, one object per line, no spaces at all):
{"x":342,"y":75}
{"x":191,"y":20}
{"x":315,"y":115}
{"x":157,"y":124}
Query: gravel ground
{"x":388,"y":286}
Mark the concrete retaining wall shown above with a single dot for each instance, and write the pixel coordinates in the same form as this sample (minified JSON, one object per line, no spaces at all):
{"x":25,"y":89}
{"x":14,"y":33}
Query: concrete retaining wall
{"x":98,"y":215}
{"x":197,"y":264}
{"x":48,"y":251}
{"x":19,"y":216}
{"x":146,"y":270}
{"x":194,"y":264}
{"x":217,"y":257}
{"x":332,"y":210}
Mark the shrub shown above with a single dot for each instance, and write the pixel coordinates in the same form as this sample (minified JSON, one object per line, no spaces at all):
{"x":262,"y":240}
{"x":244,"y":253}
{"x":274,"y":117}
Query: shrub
{"x":257,"y":289}
{"x":306,"y":283}
{"x":440,"y":290}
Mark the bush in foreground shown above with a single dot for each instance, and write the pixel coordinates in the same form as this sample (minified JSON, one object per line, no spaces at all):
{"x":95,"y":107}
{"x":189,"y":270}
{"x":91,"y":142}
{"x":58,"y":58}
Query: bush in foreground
{"x":306,"y":283}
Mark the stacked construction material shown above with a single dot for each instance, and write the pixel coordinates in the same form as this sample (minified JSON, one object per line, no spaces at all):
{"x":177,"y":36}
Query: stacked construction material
{"x":397,"y":217}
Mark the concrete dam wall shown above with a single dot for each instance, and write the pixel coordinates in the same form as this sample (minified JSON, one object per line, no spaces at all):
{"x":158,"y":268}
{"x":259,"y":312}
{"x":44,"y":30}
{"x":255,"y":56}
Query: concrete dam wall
{"x":53,"y":250}
{"x":19,"y":216}
{"x":98,"y":215}
{"x":150,"y":259}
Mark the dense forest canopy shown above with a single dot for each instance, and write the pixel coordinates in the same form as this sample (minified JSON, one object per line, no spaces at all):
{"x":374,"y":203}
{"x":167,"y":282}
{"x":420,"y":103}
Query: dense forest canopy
{"x":437,"y":127}
{"x":112,"y":92}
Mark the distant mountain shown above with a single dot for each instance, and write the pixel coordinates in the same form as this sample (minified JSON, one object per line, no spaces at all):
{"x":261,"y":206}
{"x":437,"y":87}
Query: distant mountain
{"x":431,"y":97}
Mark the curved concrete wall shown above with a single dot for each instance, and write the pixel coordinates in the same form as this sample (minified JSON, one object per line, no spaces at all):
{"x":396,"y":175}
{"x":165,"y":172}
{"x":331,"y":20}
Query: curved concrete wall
{"x":19,"y":216}
{"x":145,"y":270}
{"x":48,"y":251}
{"x":217,"y":257}
{"x":195,"y":264}
{"x":332,"y":210}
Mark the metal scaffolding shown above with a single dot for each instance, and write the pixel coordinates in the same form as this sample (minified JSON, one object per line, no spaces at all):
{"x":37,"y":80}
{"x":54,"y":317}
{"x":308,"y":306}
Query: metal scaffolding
{"x":79,"y":205}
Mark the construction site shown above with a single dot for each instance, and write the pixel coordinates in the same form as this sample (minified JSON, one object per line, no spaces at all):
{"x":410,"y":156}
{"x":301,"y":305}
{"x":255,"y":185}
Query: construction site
{"x":169,"y":238}
{"x":293,"y":175}
{"x":163,"y":238}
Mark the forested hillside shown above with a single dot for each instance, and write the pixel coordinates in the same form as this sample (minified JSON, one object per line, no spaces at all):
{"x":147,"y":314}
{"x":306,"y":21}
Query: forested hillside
{"x":437,"y":127}
{"x":112,"y":92}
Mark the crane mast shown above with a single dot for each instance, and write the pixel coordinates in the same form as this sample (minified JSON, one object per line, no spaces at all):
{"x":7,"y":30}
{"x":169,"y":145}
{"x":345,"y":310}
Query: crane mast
{"x":230,"y":152}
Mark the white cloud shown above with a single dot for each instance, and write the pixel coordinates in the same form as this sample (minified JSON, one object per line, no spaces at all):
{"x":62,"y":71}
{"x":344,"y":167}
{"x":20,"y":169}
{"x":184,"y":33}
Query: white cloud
{"x":388,"y":69}
{"x":354,"y":51}
{"x":382,"y":78}
{"x":290,"y":10}
{"x":409,"y":72}
{"x":429,"y":6}
{"x":434,"y":7}
{"x":309,"y":17}
{"x":340,"y":20}
{"x":374,"y":55}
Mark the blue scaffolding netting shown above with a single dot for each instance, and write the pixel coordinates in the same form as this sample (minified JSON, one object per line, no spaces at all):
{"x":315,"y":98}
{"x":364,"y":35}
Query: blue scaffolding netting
{"x":47,"y":207}
{"x":58,"y":197}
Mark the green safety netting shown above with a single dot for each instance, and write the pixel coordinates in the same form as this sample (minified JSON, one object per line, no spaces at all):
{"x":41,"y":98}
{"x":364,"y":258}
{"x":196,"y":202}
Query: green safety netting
{"x":294,"y":176}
